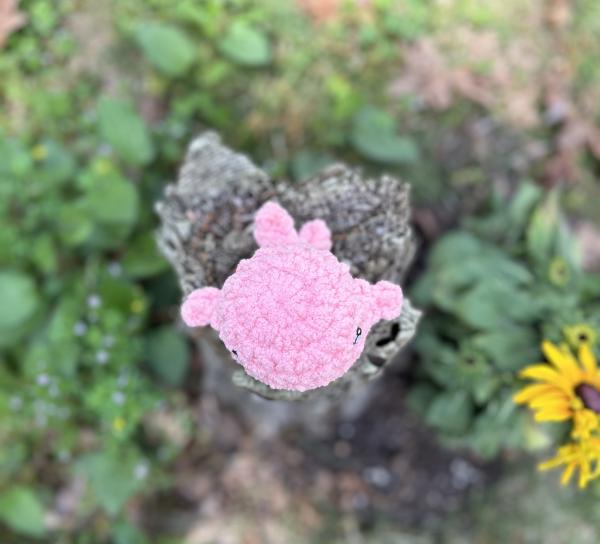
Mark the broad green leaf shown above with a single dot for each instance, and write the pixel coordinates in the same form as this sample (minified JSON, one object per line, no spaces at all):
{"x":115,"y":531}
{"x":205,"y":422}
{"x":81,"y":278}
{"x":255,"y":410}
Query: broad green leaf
{"x":14,"y":158}
{"x":22,"y":511}
{"x":125,"y":131}
{"x":451,"y":412}
{"x":374,"y":136}
{"x":111,"y":477}
{"x":142,"y":258}
{"x":74,"y":224}
{"x":112,"y":200}
{"x":521,"y":204}
{"x":166,"y":47}
{"x":126,"y":533}
{"x":510,"y":348}
{"x":167,"y":354}
{"x":307,"y":163}
{"x":454,"y":246}
{"x":492,"y":304}
{"x":420,"y":396}
{"x":44,"y":254}
{"x":567,"y":246}
{"x":56,"y":166}
{"x":499,"y":425}
{"x":542,"y":230}
{"x":19,"y":302}
{"x":122,"y":295}
{"x":245,"y":45}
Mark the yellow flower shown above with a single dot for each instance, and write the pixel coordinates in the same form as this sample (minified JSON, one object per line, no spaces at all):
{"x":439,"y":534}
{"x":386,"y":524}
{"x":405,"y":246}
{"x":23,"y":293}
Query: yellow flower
{"x":118,"y":424}
{"x":583,"y":455}
{"x":564,"y":387}
{"x":582,"y":333}
{"x":585,"y":422}
{"x":39,"y":152}
{"x":559,"y":272}
{"x":137,"y":306}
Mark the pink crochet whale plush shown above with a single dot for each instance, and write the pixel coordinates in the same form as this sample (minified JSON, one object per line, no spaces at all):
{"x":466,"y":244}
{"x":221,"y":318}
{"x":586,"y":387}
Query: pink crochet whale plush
{"x":292,"y":315}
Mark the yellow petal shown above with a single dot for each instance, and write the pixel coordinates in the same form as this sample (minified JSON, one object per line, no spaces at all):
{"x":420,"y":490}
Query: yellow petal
{"x":562,"y":361}
{"x":566,"y":475}
{"x":586,"y":356}
{"x":531,"y":391}
{"x":545,"y":373}
{"x":550,"y":399}
{"x":552,"y":463}
{"x":584,"y":474}
{"x":552,"y":414}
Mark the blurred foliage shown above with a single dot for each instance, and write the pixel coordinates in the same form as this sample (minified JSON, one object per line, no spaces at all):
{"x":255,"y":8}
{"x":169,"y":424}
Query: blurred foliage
{"x":97,"y":103}
{"x":493,"y":291}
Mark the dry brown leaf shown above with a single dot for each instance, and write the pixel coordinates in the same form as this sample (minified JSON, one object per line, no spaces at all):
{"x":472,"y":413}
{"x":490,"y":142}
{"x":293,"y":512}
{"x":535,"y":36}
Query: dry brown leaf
{"x":11,"y":19}
{"x":321,"y":11}
{"x":589,"y":239}
{"x":476,"y":65}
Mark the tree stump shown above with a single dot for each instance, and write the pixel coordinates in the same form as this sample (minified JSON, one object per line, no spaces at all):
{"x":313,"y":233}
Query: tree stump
{"x":206,"y":229}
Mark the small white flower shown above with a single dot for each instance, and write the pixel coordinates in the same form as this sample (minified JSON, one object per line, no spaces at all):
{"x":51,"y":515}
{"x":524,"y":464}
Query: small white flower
{"x":94,"y":301}
{"x":41,"y":420}
{"x":15,"y":403}
{"x":141,"y":470}
{"x":64,"y":456}
{"x":108,"y":341}
{"x":43,"y":379}
{"x":118,"y":397}
{"x":123,"y":380}
{"x":102,"y":357}
{"x":115,"y":269}
{"x":80,"y":328}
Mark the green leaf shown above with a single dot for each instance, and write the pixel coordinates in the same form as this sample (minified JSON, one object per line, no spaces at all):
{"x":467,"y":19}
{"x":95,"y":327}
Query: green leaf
{"x":245,"y":45}
{"x":44,"y":254}
{"x":167,"y":354}
{"x":521,"y":204}
{"x":125,"y":131}
{"x":420,"y":396}
{"x":57,"y":166}
{"x":126,"y":533}
{"x":374,"y":136}
{"x":74,"y":224}
{"x":454,"y":246}
{"x":111,"y":478}
{"x":14,"y":158}
{"x":307,"y":163}
{"x":493,"y":303}
{"x":166,"y":47}
{"x":542,"y":230}
{"x":510,"y":348}
{"x":112,"y":200}
{"x":20,"y":301}
{"x":22,"y":511}
{"x":451,"y":412}
{"x":142,"y":259}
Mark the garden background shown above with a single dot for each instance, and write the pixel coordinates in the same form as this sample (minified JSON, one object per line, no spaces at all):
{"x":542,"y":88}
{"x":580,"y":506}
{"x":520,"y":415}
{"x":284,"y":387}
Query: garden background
{"x":489,"y":110}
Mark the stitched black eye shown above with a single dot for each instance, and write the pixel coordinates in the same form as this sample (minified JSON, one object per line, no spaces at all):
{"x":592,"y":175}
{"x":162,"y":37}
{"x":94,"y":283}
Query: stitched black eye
{"x":358,"y":333}
{"x":234,"y":352}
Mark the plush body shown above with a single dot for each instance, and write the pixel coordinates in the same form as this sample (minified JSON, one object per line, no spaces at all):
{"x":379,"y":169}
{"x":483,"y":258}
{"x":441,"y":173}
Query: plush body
{"x":292,"y":315}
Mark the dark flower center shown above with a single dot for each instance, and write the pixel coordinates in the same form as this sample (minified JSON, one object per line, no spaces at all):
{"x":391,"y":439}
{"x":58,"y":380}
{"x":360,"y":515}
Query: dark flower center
{"x":589,"y":395}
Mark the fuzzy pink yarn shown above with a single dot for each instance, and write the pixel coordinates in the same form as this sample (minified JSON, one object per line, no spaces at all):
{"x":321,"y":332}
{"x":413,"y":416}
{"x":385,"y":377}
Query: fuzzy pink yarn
{"x":292,"y":315}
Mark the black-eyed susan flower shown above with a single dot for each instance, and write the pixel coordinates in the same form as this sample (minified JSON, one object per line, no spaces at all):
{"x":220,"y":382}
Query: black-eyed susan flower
{"x":582,"y":455}
{"x":580,"y":333}
{"x":568,"y":389}
{"x":565,"y":387}
{"x":559,"y":272}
